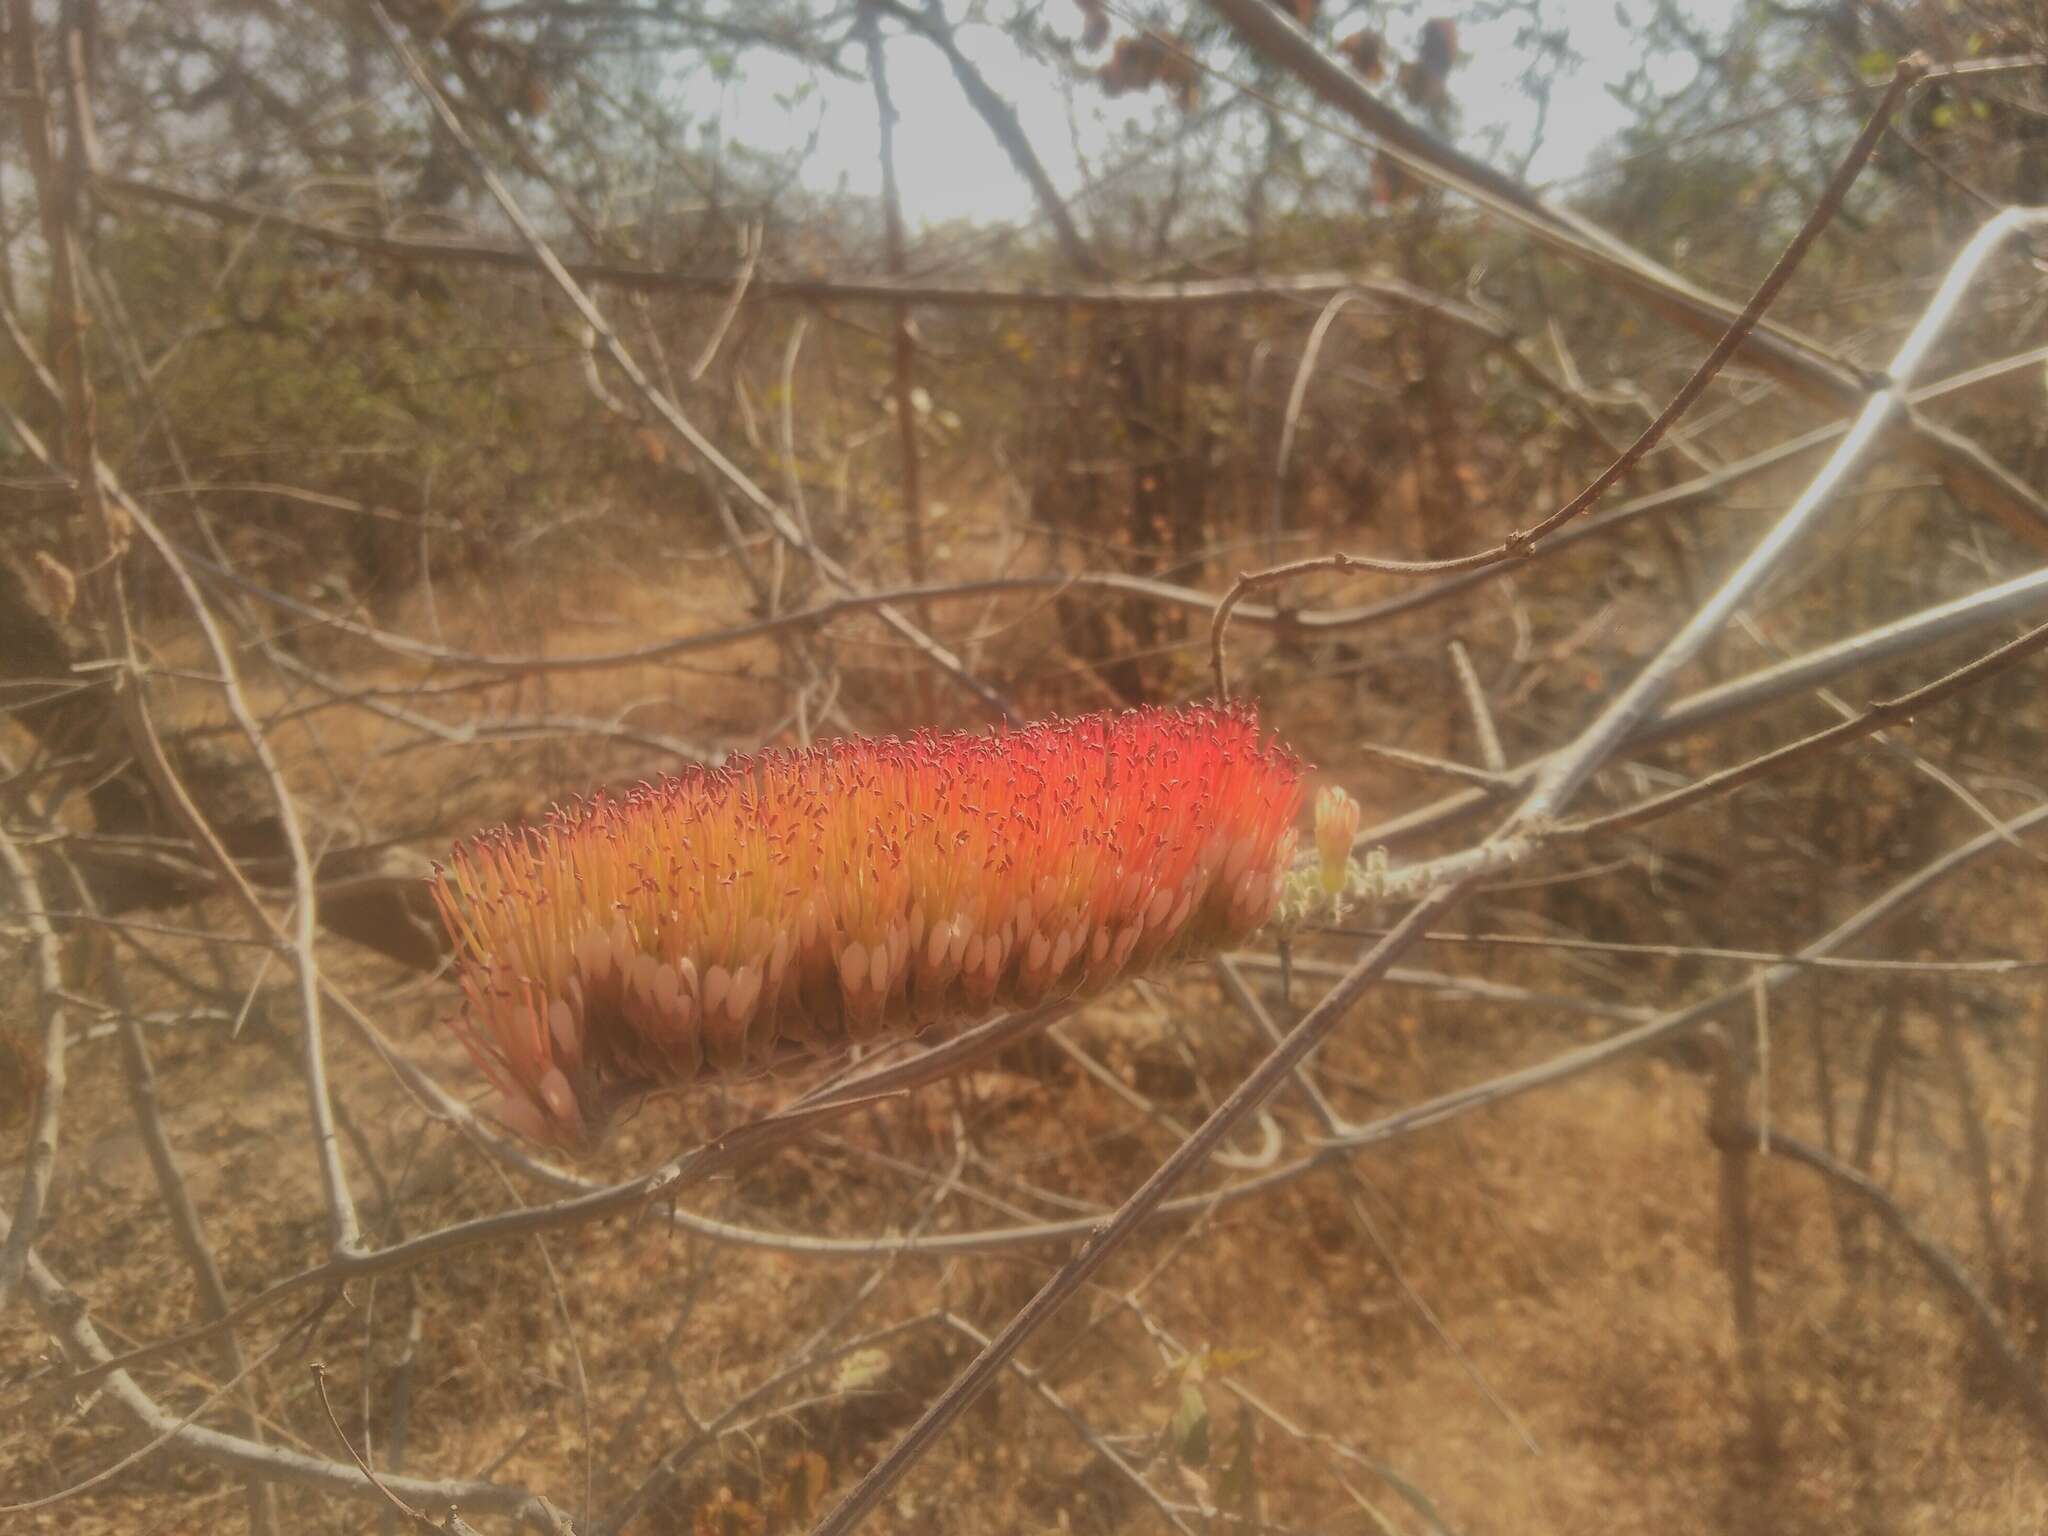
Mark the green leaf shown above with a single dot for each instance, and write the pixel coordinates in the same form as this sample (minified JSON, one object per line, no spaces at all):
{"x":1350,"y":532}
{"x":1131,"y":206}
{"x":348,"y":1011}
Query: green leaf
{"x":1237,"y":1491}
{"x":1190,"y":1427}
{"x":1876,"y":62}
{"x":1416,"y":1498}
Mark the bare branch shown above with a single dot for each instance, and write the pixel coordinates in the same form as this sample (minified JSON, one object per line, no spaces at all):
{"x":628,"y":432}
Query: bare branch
{"x":39,"y":1165}
{"x":769,"y":511}
{"x":1872,"y":720}
{"x":1554,"y":786}
{"x":750,"y":286}
{"x":64,"y":1314}
{"x":903,"y":341}
{"x":1907,"y":74}
{"x":1740,"y":695}
{"x":1791,"y":358}
{"x":1002,"y":121}
{"x":1941,"y":1266}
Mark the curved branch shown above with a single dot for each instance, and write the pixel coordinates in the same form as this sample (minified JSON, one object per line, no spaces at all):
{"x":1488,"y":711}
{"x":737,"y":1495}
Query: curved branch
{"x":1940,"y":1264}
{"x":63,"y":1313}
{"x":1793,"y":359}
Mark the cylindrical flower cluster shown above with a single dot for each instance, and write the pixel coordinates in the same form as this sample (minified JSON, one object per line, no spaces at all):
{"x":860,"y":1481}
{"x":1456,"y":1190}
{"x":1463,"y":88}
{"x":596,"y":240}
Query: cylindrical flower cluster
{"x":716,"y":920}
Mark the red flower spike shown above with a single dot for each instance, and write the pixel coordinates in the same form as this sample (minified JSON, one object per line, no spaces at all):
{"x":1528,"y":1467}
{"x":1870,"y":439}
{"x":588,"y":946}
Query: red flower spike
{"x":628,"y":944}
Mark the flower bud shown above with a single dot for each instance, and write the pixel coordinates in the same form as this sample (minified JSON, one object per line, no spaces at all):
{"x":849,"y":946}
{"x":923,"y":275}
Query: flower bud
{"x":1336,"y":830}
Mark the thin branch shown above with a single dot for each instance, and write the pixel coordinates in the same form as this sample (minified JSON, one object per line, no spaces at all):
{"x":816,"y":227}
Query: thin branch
{"x":405,"y":1510}
{"x":39,"y":1162}
{"x":64,"y":1315}
{"x":2034,"y":1191}
{"x":1921,"y":764}
{"x":1666,"y":1026}
{"x":170,"y":1432}
{"x":1077,"y":1422}
{"x":1738,"y":1237}
{"x":187,"y":1227}
{"x":1290,"y":419}
{"x":1791,"y":358}
{"x":1904,"y":77}
{"x":747,"y":283}
{"x":735,"y":1149}
{"x":1940,"y":1264}
{"x":1874,"y":719}
{"x":1993,"y":967}
{"x":1003,"y":123}
{"x":1561,"y":778}
{"x":903,"y":340}
{"x":1970,"y":1115}
{"x":110,"y":526}
{"x":764,"y":506}
{"x":1700,"y":490}
{"x":808,"y":1361}
{"x":1564,"y":774}
{"x":742,"y":286}
{"x":1491,"y":780}
{"x":1739,"y":696}
{"x":1354,"y":1191}
{"x":1490,"y":750}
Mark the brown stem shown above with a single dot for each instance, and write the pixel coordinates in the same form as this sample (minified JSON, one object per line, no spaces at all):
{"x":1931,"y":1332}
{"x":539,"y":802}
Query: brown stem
{"x":1002,"y":121}
{"x":904,"y":376}
{"x":1881,"y":714}
{"x":1729,"y":339}
{"x":1939,"y":1263}
{"x":2037,"y":1188}
{"x":1977,"y":1154}
{"x":773,"y":515}
{"x":1877,"y":1072}
{"x":188,"y":1228}
{"x":1738,"y":1239}
{"x":1796,"y":361}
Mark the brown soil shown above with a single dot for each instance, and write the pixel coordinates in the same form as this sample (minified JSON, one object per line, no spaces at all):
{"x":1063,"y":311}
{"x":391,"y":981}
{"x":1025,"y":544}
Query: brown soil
{"x":1567,"y":1242}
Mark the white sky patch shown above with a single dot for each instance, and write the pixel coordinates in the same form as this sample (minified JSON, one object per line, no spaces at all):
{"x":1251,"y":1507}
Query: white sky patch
{"x":950,"y":167}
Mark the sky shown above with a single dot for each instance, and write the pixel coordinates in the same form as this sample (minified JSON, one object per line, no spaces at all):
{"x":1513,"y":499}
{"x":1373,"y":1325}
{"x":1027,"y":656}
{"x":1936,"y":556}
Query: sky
{"x":951,"y":168}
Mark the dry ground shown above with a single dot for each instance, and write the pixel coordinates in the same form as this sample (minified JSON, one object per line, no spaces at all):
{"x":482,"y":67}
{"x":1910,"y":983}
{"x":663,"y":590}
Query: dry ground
{"x":1568,"y":1243}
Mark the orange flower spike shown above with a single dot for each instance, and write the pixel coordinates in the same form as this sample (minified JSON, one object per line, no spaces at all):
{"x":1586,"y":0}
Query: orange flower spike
{"x":721,"y":918}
